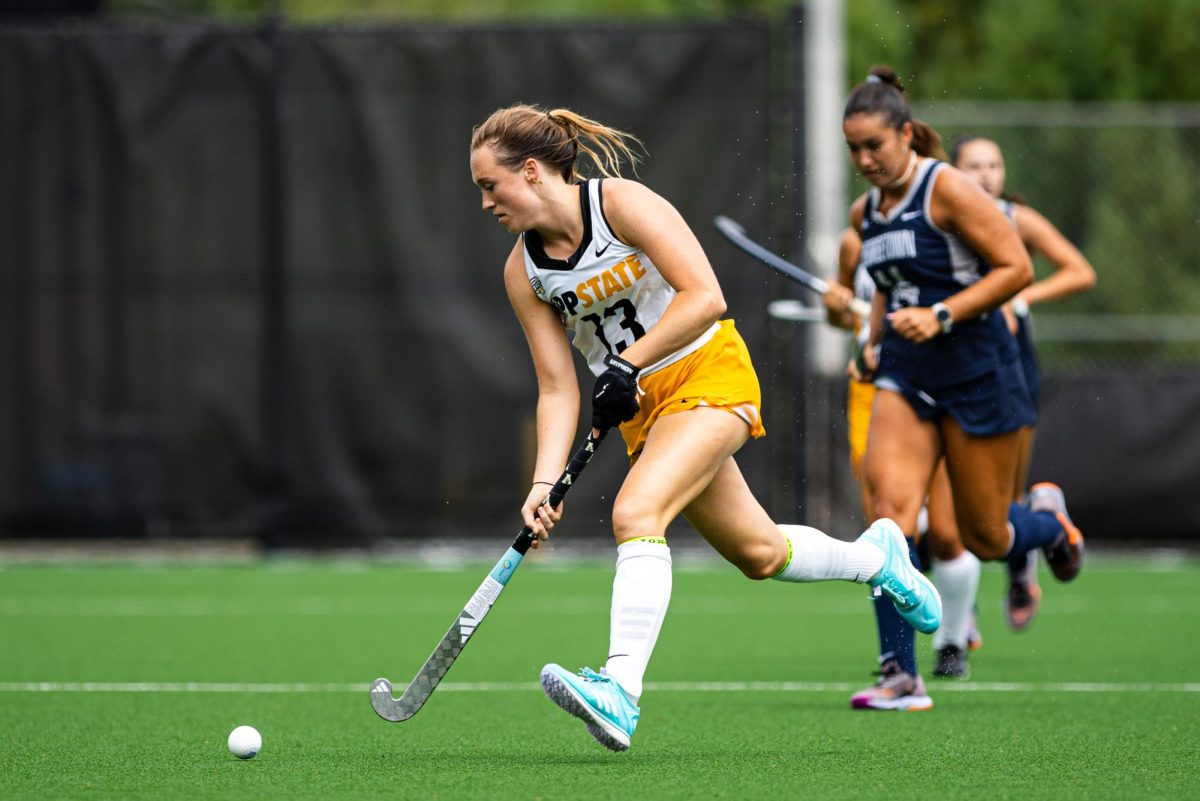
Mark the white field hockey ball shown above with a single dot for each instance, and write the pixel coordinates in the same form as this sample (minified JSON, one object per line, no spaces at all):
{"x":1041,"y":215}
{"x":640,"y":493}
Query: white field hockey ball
{"x":244,"y":742}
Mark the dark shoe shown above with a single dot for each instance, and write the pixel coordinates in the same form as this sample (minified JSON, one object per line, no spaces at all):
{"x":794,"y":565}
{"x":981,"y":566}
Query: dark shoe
{"x":951,"y":663}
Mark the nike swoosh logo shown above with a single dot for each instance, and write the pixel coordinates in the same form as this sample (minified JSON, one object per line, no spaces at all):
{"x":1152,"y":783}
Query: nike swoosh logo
{"x":908,"y":215}
{"x":600,"y":251}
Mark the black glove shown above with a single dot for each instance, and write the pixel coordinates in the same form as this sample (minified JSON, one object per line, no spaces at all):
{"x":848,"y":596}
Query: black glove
{"x":614,"y":398}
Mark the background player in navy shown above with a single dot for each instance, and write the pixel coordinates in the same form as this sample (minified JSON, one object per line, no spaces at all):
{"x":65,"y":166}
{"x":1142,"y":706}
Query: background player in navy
{"x":957,"y":573}
{"x":982,"y":159}
{"x":943,"y":259}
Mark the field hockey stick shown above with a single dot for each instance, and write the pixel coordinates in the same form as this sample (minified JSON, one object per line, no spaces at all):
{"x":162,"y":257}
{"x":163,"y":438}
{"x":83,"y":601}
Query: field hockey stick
{"x":468,"y":620}
{"x":736,"y":234}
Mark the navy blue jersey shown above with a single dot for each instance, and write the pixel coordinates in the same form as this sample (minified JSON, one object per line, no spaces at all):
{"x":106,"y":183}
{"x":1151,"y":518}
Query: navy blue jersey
{"x":1029,"y":360}
{"x":915,"y":263}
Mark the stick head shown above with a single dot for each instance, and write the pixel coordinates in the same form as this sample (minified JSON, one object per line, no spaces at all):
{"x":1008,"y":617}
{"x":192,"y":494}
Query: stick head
{"x":385,"y":705}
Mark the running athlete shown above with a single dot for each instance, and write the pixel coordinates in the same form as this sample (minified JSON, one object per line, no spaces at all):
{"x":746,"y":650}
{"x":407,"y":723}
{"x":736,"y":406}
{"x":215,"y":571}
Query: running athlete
{"x":980,"y":158}
{"x":956,"y":570}
{"x":611,"y":267}
{"x":943,"y":259}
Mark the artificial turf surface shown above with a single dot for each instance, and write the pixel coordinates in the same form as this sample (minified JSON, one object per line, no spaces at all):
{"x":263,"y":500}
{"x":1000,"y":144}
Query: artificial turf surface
{"x":748,"y":695}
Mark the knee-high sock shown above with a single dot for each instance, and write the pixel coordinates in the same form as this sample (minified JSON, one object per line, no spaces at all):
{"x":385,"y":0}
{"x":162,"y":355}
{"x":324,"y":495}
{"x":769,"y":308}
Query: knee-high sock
{"x":1031,"y":530}
{"x":897,"y":639}
{"x":641,"y":592}
{"x":957,"y":580}
{"x":815,"y":556}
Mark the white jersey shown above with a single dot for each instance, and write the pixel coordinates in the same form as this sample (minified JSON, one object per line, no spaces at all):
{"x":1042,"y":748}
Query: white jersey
{"x":607,"y":293}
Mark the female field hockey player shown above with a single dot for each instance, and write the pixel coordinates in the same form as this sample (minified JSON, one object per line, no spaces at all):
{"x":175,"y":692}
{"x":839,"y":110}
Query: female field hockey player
{"x":980,"y":158}
{"x":957,"y":573}
{"x":943,"y":259}
{"x":610,"y":267}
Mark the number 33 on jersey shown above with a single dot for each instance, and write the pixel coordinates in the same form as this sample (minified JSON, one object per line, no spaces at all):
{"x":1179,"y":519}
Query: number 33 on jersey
{"x":607,"y":293}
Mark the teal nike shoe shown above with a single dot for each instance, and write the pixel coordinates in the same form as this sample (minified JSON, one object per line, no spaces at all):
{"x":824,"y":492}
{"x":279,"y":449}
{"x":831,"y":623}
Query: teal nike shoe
{"x":915,"y":597}
{"x":595,"y":699}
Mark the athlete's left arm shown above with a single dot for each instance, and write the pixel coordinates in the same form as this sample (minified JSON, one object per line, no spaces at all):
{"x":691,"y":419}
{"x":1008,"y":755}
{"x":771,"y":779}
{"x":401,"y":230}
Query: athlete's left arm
{"x":644,"y":220}
{"x":1072,"y":272}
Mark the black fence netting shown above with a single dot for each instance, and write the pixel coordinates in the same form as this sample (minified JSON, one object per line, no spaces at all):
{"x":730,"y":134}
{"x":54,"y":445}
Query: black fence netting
{"x":247,"y":286}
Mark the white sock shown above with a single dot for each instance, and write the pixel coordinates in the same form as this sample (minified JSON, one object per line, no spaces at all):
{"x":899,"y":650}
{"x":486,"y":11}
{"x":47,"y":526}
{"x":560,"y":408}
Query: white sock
{"x":957,"y":581}
{"x":641,"y":592}
{"x":923,"y":521}
{"x":815,"y":556}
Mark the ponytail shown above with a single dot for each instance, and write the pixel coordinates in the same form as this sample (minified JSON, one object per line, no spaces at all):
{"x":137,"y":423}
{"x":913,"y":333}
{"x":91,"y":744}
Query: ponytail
{"x":558,"y":137}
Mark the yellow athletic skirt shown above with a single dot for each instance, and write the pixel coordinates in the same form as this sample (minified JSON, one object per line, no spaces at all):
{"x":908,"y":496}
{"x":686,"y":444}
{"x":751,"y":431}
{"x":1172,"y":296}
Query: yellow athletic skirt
{"x":859,"y":398}
{"x":719,"y":375}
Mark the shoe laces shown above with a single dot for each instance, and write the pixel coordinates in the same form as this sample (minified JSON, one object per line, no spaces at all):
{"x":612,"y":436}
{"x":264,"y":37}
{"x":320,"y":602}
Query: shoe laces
{"x":590,"y":675}
{"x":888,"y":669}
{"x":904,"y":597}
{"x":895,"y":678}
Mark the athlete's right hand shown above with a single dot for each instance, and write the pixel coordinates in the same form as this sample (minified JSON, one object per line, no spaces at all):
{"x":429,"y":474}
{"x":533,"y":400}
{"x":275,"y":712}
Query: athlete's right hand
{"x":538,"y":516}
{"x":614,"y":397}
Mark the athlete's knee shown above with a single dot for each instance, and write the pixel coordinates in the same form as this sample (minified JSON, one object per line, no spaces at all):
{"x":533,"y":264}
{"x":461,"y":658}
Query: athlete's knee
{"x":943,"y":545}
{"x":885,"y":504}
{"x":989,"y":543}
{"x":631,"y":518}
{"x":761,"y":560}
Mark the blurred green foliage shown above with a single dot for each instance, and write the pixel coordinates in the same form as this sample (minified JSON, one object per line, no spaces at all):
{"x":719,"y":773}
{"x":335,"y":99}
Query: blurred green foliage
{"x":1031,"y":49}
{"x":978,"y":49}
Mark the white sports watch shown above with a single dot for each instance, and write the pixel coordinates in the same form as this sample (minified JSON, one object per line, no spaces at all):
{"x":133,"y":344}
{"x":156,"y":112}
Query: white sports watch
{"x":944,"y":316}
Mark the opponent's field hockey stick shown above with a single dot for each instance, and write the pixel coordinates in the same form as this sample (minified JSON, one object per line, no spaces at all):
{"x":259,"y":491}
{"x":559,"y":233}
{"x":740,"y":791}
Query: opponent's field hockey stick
{"x":468,"y":620}
{"x":737,"y":235}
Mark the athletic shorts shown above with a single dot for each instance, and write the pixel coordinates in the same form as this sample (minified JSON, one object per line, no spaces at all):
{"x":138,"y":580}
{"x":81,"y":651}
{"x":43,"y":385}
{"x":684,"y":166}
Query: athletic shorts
{"x":1029,"y":361}
{"x":719,"y":375}
{"x":859,"y":398}
{"x":994,"y":403}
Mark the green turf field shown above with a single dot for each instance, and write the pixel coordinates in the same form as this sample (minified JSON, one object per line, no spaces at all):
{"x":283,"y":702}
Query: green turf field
{"x":123,"y":682}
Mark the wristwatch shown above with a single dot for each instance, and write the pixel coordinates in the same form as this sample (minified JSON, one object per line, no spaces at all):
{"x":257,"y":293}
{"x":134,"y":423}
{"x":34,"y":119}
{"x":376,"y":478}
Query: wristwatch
{"x":944,"y":316}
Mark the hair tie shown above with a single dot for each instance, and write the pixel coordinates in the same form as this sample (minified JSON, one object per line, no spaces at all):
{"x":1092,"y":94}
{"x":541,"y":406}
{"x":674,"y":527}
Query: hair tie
{"x":874,"y":79}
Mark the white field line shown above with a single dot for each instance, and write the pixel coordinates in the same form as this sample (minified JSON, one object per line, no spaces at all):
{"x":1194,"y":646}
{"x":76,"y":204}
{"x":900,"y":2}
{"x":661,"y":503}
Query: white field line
{"x":514,"y":686}
{"x":333,"y":606}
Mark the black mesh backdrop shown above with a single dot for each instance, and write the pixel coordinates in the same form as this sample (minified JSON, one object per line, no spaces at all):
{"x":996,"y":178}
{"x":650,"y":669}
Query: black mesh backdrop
{"x":171,"y":366}
{"x":245,"y":284}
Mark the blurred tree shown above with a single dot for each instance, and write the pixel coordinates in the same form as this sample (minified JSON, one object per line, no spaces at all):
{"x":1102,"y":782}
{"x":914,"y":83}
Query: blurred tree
{"x":1030,"y":49}
{"x":976,"y":49}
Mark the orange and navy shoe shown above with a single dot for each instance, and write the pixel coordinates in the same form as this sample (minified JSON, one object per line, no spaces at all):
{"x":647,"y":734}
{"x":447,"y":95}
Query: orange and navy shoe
{"x":1065,"y":556}
{"x":974,"y":636}
{"x":1024,"y":595}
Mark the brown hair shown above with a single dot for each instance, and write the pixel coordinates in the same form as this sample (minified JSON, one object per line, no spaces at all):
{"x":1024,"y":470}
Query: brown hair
{"x":961,"y":141}
{"x":882,"y":93}
{"x":557,"y":137}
